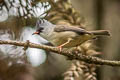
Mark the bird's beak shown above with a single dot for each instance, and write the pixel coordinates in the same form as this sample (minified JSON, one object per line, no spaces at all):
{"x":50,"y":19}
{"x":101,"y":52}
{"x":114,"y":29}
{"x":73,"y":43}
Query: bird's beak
{"x":35,"y":33}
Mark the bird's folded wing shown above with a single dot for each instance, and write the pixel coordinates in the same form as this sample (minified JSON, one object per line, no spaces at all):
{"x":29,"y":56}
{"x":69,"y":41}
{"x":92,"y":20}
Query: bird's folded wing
{"x":62,"y":28}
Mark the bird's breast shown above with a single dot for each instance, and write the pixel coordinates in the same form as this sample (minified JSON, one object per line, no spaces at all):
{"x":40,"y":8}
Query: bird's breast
{"x":59,"y":35}
{"x":60,"y":38}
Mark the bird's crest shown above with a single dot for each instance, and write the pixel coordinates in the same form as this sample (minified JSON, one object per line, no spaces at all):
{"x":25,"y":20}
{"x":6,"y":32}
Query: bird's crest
{"x":42,"y":22}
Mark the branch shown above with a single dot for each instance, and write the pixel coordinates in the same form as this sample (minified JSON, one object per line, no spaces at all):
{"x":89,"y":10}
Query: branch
{"x":72,"y":55}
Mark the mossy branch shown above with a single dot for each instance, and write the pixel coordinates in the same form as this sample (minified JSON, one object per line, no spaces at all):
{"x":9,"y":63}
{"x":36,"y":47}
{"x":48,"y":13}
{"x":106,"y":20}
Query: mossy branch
{"x":71,"y":55}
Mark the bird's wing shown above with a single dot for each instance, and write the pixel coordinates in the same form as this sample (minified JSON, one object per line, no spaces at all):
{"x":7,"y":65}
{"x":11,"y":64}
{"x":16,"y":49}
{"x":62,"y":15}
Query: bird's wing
{"x":62,"y":28}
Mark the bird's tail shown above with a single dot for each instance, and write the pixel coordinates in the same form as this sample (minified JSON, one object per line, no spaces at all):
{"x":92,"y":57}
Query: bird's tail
{"x":101,"y":32}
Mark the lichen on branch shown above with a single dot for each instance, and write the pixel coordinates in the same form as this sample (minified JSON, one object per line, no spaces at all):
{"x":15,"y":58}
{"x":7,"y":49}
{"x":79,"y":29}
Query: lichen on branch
{"x":71,"y":55}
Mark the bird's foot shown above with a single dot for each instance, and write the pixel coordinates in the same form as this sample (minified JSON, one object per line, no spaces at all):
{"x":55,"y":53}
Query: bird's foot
{"x":60,"y":48}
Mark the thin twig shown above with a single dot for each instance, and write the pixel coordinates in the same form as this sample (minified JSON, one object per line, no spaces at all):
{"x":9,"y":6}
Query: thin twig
{"x":72,"y":55}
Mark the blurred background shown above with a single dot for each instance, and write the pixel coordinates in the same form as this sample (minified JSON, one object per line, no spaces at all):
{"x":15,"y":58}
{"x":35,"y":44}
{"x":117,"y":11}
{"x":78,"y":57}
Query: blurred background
{"x":104,"y":14}
{"x":17,"y":22}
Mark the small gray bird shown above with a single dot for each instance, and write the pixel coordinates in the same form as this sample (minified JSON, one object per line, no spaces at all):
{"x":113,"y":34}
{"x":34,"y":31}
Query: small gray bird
{"x":65,"y":36}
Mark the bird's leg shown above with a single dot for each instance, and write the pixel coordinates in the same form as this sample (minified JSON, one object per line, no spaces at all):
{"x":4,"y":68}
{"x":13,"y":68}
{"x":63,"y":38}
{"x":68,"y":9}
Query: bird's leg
{"x":60,"y":47}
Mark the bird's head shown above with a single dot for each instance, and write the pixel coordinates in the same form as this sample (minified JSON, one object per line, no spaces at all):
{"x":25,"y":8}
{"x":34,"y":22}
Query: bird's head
{"x":43,"y":26}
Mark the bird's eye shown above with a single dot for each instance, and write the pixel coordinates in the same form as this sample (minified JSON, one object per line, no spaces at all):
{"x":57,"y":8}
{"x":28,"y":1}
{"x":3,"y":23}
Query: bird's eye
{"x":40,"y":29}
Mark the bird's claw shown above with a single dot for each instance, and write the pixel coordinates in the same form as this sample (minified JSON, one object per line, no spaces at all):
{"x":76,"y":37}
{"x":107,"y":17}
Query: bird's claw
{"x":60,"y":48}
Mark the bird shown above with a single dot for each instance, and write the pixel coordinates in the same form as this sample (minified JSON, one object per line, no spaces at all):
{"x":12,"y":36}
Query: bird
{"x":64,"y":36}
